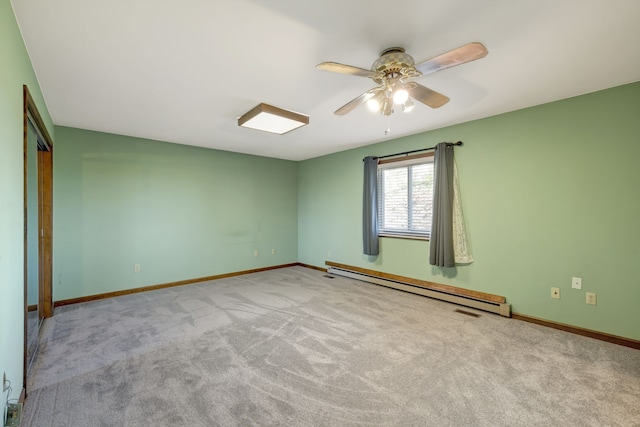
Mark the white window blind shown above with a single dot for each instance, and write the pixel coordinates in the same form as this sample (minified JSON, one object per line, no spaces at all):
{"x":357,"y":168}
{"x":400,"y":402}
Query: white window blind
{"x":405,"y":196}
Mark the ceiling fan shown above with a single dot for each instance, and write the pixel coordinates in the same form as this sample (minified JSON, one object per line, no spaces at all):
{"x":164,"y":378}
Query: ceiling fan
{"x":394,"y":72}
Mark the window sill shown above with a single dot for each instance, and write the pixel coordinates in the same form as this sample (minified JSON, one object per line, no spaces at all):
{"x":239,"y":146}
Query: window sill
{"x":403,"y":236}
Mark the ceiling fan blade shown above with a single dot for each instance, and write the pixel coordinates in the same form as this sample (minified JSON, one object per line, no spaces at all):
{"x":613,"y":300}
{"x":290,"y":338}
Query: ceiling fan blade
{"x":467,"y":53}
{"x":427,"y":96}
{"x":335,"y":67}
{"x":351,"y":105}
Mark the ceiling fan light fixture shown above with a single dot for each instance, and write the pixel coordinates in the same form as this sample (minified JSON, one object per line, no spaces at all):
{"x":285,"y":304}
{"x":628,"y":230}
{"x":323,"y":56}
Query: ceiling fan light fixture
{"x":387,"y":107}
{"x":373,"y":105}
{"x":400,"y":96}
{"x":272,"y":119}
{"x":408,"y":106}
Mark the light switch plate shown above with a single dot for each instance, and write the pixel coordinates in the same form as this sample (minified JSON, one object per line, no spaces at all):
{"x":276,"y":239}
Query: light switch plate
{"x":576,"y":282}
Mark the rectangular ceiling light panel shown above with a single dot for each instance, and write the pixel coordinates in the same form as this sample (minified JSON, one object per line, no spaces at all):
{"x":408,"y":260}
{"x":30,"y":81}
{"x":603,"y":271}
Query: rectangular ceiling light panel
{"x":272,"y":119}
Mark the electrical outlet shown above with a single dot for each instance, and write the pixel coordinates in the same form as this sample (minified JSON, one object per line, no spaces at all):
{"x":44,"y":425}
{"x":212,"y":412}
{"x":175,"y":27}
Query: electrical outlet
{"x":555,"y":293}
{"x":255,"y":253}
{"x":328,"y":254}
{"x":273,"y":251}
{"x":591,"y":298}
{"x":136,"y":268}
{"x":14,"y":414}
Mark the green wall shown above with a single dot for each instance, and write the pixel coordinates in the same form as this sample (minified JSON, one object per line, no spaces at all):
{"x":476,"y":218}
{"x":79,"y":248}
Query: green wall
{"x":548,"y":192}
{"x":179,"y":212}
{"x":15,"y":71}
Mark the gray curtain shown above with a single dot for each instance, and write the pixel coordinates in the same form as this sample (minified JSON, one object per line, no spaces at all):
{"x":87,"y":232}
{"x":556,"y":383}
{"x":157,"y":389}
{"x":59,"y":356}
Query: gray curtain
{"x":441,"y":252}
{"x":370,"y":207}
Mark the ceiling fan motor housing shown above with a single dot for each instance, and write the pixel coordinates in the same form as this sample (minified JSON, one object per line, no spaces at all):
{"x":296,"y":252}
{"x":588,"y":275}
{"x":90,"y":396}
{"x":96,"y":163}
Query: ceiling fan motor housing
{"x":394,"y":63}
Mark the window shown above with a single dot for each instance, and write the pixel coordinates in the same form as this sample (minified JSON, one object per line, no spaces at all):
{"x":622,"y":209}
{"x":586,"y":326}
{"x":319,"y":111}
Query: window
{"x":405,"y":196}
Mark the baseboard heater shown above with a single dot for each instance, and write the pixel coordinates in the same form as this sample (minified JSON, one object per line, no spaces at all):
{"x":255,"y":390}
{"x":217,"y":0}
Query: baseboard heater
{"x":473,"y":299}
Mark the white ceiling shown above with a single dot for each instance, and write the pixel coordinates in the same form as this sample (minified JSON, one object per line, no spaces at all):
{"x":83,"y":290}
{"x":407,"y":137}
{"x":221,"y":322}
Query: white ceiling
{"x":182,"y":71}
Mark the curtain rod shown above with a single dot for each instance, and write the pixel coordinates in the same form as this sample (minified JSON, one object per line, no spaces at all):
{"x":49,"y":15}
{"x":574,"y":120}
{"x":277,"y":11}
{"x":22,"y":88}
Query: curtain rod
{"x":449,"y":144}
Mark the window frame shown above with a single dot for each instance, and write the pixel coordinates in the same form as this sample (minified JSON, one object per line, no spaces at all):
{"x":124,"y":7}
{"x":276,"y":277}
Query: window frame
{"x":392,"y":163}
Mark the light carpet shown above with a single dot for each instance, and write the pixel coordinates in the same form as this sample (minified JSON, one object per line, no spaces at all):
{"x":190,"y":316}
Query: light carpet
{"x":292,"y":347}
